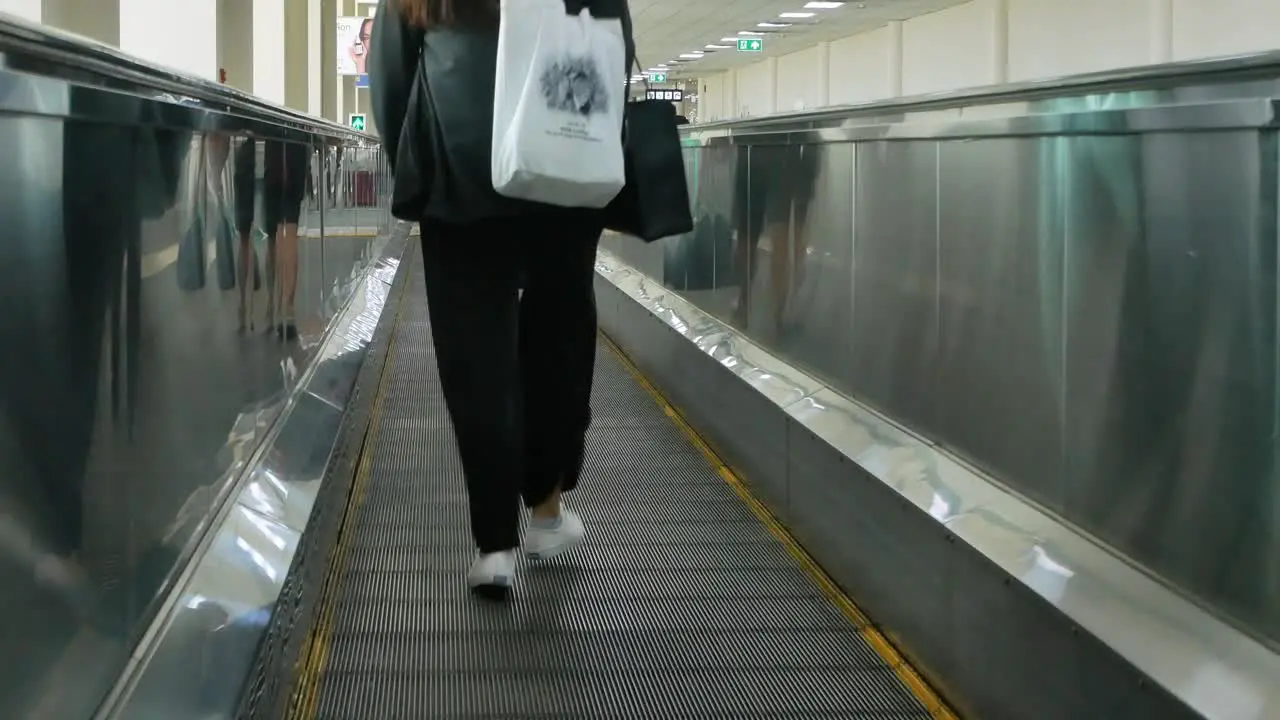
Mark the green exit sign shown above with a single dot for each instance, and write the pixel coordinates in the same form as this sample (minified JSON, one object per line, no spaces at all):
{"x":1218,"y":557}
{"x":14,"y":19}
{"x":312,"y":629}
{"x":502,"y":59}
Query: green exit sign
{"x":657,"y":77}
{"x":750,"y":45}
{"x":357,"y":121}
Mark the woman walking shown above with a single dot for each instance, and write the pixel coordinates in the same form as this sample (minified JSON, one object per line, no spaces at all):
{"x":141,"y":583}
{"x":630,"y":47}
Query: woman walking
{"x":509,"y":283}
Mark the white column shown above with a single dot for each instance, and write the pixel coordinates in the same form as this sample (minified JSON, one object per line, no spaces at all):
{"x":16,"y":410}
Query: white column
{"x":824,"y":74}
{"x":729,"y":100}
{"x":297,"y":44}
{"x":235,"y":42}
{"x":315,"y":59}
{"x":1161,"y":24}
{"x":95,"y":19}
{"x":999,"y":41}
{"x":771,"y":72}
{"x":345,"y":84}
{"x":895,"y":58}
{"x":268,"y":50}
{"x":330,"y":97}
{"x":181,"y":34}
{"x":280,"y":47}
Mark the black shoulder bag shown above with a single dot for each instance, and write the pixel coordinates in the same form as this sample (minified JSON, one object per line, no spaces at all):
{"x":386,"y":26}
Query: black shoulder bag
{"x":654,"y":203}
{"x":413,"y":168}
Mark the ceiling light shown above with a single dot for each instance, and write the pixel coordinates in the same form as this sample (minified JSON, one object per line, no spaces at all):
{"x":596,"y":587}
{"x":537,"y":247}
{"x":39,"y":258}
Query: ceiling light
{"x":692,"y":56}
{"x":729,"y":40}
{"x":796,"y":15}
{"x":823,"y":5}
{"x":750,"y":32}
{"x":719,"y":47}
{"x":773,"y":25}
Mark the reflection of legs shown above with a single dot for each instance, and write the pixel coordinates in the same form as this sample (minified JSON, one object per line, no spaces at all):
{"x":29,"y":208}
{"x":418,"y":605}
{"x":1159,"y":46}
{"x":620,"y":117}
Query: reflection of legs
{"x":273,"y":281}
{"x":244,"y":276}
{"x":295,"y":190}
{"x":746,"y":252}
{"x":245,"y":191}
{"x":788,"y":246}
{"x":799,"y":242}
{"x":244,"y":267}
{"x":55,"y":407}
{"x":779,"y":234}
{"x":287,"y":264}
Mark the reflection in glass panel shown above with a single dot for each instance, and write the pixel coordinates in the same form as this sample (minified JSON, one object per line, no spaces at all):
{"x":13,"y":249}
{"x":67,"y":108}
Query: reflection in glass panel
{"x":161,"y":288}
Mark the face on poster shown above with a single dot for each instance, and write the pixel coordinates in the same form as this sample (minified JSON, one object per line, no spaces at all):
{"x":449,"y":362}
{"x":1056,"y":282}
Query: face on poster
{"x":353,"y":44}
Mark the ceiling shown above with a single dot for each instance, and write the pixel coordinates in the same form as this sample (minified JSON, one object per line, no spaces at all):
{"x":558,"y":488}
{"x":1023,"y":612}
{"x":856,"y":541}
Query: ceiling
{"x":665,"y":29}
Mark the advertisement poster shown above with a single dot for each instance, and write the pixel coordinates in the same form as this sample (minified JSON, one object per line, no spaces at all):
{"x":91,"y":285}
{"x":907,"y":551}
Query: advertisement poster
{"x":353,"y":44}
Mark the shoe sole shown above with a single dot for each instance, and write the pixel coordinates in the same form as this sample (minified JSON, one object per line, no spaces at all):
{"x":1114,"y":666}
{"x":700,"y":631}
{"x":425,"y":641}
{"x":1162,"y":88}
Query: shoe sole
{"x":492,"y":593}
{"x":554,"y":552}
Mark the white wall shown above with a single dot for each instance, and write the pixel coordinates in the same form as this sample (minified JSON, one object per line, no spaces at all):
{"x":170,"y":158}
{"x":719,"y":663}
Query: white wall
{"x":235,"y":42}
{"x":25,"y":9}
{"x":274,"y":48}
{"x":96,"y":19}
{"x":984,"y":42}
{"x":181,"y":35}
{"x":798,"y":86}
{"x":860,"y":68}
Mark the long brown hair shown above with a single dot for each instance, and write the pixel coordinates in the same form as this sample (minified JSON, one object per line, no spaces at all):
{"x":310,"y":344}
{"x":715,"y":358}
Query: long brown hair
{"x":433,"y":13}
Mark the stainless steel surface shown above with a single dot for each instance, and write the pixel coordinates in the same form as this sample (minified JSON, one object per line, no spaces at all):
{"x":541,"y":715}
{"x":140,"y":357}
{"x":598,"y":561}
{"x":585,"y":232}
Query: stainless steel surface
{"x":201,"y":663}
{"x":681,"y":602}
{"x":1015,"y":612}
{"x":1074,"y":290}
{"x":1088,"y":315}
{"x":132,"y":398}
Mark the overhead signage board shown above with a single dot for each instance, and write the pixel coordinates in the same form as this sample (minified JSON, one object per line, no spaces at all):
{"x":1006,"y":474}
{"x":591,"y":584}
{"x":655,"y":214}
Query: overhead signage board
{"x":657,"y":77}
{"x":750,"y":44}
{"x":356,"y":121}
{"x":354,"y":34}
{"x":669,"y":95}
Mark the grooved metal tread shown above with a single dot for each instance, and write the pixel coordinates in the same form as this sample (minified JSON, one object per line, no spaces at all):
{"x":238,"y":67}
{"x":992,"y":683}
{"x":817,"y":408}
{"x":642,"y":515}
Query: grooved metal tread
{"x":681,"y":603}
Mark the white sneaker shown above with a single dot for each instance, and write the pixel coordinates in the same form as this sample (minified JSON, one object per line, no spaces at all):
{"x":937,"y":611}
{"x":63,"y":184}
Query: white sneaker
{"x":545,"y":539}
{"x":492,"y":575}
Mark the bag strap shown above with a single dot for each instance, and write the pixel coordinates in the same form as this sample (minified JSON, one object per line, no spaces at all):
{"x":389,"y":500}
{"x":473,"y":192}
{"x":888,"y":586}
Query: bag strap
{"x":639,"y":71}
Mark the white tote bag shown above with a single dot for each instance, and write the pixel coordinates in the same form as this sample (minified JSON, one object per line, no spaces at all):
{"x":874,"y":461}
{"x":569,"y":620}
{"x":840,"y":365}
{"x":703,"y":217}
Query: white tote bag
{"x":558,"y":106}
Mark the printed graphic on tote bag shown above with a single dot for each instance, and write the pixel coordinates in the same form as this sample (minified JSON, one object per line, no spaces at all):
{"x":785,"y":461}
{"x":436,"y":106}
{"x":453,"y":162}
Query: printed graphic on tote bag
{"x":573,"y":85}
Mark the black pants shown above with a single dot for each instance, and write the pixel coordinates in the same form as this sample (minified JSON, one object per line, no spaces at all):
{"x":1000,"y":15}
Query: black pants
{"x":516,"y":369}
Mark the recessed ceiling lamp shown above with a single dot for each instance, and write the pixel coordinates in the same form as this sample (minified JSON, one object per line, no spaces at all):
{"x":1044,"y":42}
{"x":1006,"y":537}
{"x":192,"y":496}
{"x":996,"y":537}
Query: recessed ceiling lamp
{"x":796,"y":15}
{"x":823,"y":5}
{"x":719,"y":47}
{"x":692,"y":55}
{"x":750,"y":32}
{"x":773,"y":25}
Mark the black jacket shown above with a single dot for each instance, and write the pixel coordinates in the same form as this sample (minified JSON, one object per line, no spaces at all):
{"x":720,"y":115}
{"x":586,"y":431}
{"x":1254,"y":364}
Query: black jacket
{"x":455,"y":112}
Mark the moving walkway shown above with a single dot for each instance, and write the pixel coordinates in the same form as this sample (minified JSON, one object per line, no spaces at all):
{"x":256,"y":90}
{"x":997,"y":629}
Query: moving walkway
{"x":689,"y":600}
{"x":1025,"y":423}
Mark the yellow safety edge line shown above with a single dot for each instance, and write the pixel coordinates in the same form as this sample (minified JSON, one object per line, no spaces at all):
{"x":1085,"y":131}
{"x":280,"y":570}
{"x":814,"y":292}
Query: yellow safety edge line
{"x":306,"y":696}
{"x":933,"y":702}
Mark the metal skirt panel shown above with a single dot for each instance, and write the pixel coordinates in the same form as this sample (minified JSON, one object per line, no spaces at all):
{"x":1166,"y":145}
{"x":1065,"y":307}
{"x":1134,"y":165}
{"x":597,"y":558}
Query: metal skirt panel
{"x":681,"y":603}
